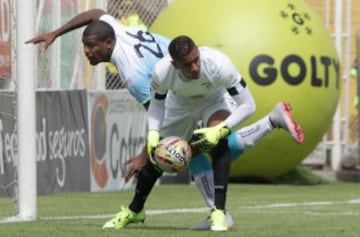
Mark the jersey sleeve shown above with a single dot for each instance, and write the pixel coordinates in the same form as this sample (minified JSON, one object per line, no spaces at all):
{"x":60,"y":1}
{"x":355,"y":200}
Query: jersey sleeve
{"x":157,"y":104}
{"x":110,"y":20}
{"x":238,"y":90}
{"x":158,"y":85}
{"x":229,"y":74}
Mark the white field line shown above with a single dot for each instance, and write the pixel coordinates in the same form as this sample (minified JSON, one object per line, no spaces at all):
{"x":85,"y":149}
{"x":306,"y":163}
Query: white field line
{"x":205,"y":210}
{"x":324,"y":203}
{"x":148,"y":213}
{"x":345,"y":213}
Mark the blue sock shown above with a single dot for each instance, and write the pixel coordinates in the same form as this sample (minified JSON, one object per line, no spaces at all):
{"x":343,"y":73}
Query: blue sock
{"x":234,"y":147}
{"x":200,"y":164}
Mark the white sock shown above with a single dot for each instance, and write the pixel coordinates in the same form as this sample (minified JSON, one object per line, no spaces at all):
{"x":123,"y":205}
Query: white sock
{"x":205,"y":184}
{"x":248,"y":136}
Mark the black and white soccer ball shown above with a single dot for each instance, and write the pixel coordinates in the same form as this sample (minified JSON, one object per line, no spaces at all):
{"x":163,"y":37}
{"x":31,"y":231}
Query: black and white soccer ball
{"x":172,"y":154}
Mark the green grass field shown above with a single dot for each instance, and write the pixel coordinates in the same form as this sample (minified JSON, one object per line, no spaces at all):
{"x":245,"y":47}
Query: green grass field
{"x":331,"y":209}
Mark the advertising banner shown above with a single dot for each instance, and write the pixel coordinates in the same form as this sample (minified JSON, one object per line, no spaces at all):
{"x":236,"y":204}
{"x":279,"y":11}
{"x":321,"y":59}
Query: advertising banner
{"x":8,"y":144}
{"x":5,"y":39}
{"x":117,"y":128}
{"x":62,"y":152}
{"x":62,"y":141}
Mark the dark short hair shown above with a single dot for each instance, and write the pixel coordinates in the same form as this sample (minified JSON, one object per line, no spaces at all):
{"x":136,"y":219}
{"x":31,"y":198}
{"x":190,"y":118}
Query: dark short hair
{"x":181,"y":46}
{"x":100,"y":29}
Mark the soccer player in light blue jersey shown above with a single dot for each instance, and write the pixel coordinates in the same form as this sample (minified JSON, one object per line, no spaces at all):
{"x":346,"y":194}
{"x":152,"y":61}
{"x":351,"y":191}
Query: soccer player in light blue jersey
{"x":134,"y":52}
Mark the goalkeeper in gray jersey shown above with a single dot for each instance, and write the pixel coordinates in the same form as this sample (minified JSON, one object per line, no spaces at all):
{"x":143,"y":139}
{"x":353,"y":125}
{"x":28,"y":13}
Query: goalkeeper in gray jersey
{"x":199,"y":83}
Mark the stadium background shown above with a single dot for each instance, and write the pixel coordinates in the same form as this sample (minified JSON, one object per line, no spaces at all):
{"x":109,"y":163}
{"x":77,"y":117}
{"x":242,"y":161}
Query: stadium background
{"x":63,"y":67}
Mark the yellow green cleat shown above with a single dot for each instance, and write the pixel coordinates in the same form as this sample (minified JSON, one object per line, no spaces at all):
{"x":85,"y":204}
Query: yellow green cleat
{"x":218,"y":220}
{"x":123,"y":218}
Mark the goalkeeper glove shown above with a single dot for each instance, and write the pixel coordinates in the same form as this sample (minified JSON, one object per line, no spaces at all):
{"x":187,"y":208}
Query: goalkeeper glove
{"x":206,"y":138}
{"x":153,"y":139}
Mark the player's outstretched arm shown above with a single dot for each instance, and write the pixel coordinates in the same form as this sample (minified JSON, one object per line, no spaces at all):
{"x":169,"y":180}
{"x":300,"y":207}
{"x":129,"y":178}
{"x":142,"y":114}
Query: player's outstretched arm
{"x":78,"y":21}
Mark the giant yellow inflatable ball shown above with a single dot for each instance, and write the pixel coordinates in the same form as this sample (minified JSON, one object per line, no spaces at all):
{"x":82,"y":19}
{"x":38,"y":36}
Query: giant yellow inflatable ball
{"x":284,"y":52}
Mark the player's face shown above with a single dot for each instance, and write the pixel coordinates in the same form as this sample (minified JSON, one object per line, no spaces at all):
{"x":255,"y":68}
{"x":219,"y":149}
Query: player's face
{"x":97,"y":51}
{"x":190,"y":64}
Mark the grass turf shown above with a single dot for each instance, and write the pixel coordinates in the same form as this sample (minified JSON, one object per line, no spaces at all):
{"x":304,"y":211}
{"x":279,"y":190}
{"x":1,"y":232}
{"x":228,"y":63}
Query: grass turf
{"x":326,"y":209}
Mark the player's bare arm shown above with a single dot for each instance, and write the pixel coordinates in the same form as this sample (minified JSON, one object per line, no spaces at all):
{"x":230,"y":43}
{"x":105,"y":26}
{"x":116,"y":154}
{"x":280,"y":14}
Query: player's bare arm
{"x":78,"y":21}
{"x":136,"y":163}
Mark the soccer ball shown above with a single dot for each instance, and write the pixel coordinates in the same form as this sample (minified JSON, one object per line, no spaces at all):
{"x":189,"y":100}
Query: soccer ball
{"x":172,"y":154}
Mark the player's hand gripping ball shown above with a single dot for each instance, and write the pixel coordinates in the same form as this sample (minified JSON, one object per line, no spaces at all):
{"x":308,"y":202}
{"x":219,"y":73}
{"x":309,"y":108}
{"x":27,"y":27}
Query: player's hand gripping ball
{"x":172,"y":154}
